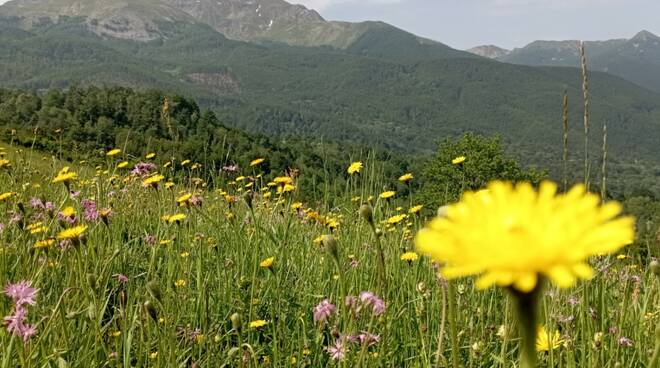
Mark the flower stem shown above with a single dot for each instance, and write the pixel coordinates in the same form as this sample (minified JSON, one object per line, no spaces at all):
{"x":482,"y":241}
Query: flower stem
{"x":526,"y":307}
{"x":453,"y":332}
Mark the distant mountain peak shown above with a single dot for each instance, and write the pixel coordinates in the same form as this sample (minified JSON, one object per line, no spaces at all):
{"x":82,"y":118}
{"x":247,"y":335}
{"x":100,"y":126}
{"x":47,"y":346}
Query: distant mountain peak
{"x":644,"y":36}
{"x":489,"y":51}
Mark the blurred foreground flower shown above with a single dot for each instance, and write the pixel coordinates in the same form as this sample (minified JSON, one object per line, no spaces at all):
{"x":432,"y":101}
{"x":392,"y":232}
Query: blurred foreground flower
{"x":511,"y":236}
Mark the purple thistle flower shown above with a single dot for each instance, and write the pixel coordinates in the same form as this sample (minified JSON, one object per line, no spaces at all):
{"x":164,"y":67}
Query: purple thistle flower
{"x":15,"y":218}
{"x":624,"y":341}
{"x":368,"y":338}
{"x":370,"y":299}
{"x":90,"y":212}
{"x":143,"y":168}
{"x":323,"y":311}
{"x":150,"y":239}
{"x":21,"y":293}
{"x":50,"y":207}
{"x":36,"y":203}
{"x":121,"y":278}
{"x":195,"y":201}
{"x":338,"y":350}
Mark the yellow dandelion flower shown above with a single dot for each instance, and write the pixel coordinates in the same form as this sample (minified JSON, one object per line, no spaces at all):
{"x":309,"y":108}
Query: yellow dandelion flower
{"x":185,"y":255}
{"x":38,"y":230}
{"x":405,"y":178}
{"x":150,"y":155}
{"x":257,"y":323}
{"x":42,"y":244}
{"x":510,"y":236}
{"x":296,"y":206}
{"x":115,"y":333}
{"x":153,"y":180}
{"x":68,"y":212}
{"x":6,"y":196}
{"x":185,"y":162}
{"x":176,"y":218}
{"x":153,"y":356}
{"x":267,"y":263}
{"x":183,"y":199}
{"x":387,"y":195}
{"x":122,"y":164}
{"x":409,"y":256}
{"x":65,"y":176}
{"x":283,"y":180}
{"x":180,"y":283}
{"x":458,"y":160}
{"x":416,"y":209}
{"x":240,"y":178}
{"x":354,"y":168}
{"x":73,"y":233}
{"x":113,"y":152}
{"x":169,"y":185}
{"x":621,"y":256}
{"x":286,"y":188}
{"x":546,"y":341}
{"x":396,"y":219}
{"x":4,"y":164}
{"x":257,"y":161}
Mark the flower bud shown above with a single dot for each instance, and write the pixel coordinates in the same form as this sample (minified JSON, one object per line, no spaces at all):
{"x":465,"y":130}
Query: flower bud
{"x":236,"y":322}
{"x":367,"y":213}
{"x":154,"y":290}
{"x":330,"y":244}
{"x":151,"y":310}
{"x":655,"y":267}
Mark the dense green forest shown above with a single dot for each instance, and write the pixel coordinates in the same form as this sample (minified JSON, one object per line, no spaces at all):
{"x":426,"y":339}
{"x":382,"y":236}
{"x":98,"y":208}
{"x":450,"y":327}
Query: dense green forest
{"x":76,"y":123}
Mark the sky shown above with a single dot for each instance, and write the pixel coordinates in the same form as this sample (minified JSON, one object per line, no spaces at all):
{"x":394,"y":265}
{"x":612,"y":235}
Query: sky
{"x":506,"y":23}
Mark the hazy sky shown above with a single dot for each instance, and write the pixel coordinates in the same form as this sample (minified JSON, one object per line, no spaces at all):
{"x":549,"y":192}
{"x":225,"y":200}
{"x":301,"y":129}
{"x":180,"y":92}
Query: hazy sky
{"x":506,"y":23}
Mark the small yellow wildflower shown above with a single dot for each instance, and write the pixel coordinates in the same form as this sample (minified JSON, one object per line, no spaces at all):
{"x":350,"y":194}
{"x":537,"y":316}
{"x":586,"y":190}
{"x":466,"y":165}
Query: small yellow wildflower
{"x":396,"y":219}
{"x":68,"y":212}
{"x":416,"y":209}
{"x":42,"y":244}
{"x":185,"y":255}
{"x":257,"y":161}
{"x":354,"y":168}
{"x":4,"y":164}
{"x":185,"y":162}
{"x":267,"y":263}
{"x":122,"y":164}
{"x":257,"y":323}
{"x":115,"y":333}
{"x":458,"y":160}
{"x":409,"y":256}
{"x":182,"y":200}
{"x":73,"y":233}
{"x":387,"y":195}
{"x":546,"y":341}
{"x":6,"y":196}
{"x":150,"y":155}
{"x":153,"y":180}
{"x":405,"y":178}
{"x":65,"y":176}
{"x":180,"y":283}
{"x":113,"y":152}
{"x":283,"y":180}
{"x":153,"y":356}
{"x":176,"y":218}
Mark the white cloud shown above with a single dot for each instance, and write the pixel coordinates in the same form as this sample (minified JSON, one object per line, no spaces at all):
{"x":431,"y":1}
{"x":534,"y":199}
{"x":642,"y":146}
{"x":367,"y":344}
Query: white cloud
{"x":324,"y":4}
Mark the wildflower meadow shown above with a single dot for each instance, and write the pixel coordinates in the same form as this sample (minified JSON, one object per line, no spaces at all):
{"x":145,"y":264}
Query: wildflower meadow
{"x":141,"y":262}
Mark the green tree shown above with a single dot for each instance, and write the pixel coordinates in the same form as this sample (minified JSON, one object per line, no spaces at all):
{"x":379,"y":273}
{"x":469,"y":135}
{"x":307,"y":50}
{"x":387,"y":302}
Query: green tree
{"x":485,"y":161}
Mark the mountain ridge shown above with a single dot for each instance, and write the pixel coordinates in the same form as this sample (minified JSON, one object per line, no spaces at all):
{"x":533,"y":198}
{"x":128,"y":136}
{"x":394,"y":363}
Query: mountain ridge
{"x":636,"y":59}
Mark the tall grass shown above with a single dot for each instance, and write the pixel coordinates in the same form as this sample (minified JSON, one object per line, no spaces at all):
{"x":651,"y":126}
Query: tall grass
{"x":191,"y":295}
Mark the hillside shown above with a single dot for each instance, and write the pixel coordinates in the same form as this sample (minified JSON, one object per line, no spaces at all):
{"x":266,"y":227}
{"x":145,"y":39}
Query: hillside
{"x":636,"y":59}
{"x":261,"y":21}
